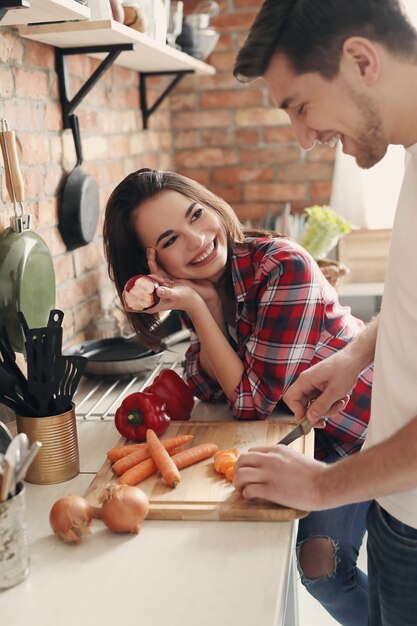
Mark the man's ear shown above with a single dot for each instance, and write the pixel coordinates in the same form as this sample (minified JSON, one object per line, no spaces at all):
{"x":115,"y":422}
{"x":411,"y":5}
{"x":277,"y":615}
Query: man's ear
{"x":362,"y":56}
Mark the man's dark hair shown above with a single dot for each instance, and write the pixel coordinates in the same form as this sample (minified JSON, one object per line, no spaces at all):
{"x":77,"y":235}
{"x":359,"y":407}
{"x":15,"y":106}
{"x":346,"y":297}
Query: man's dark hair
{"x":311,"y":33}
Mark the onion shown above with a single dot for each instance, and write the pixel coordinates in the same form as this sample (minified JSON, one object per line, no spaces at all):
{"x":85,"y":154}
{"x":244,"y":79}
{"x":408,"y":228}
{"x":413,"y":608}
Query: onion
{"x":70,"y":518}
{"x":124,"y":508}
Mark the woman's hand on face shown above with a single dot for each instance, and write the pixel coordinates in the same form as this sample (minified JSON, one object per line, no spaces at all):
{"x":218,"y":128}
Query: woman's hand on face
{"x":161,"y":276}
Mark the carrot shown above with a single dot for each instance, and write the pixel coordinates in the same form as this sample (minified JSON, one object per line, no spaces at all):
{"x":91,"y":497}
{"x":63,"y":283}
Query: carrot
{"x":230,"y":472}
{"x":223,"y":459}
{"x":114,"y":454}
{"x":138,"y":472}
{"x":195,"y":454}
{"x":143,"y":470}
{"x":162,"y":460}
{"x":122,"y":465}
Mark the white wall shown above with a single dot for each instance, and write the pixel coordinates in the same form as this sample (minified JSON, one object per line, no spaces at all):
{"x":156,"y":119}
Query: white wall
{"x":368,"y":197}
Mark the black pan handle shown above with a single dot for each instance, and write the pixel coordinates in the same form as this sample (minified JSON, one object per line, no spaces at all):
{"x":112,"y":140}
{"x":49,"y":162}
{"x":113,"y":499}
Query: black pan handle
{"x":75,"y":128}
{"x":23,"y":322}
{"x":55,"y":317}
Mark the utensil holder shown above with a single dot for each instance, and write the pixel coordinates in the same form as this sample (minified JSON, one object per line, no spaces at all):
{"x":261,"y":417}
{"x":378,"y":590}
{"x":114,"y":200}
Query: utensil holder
{"x":58,"y":459}
{"x":14,"y":553}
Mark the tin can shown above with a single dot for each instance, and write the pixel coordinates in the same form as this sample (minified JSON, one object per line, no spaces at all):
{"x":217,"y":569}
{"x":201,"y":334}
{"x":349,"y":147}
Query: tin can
{"x":14,"y":552}
{"x":58,"y":459}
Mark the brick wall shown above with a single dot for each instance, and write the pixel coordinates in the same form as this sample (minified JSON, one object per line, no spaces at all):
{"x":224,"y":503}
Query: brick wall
{"x":227,"y":136}
{"x":113,"y":145}
{"x":212,"y":129}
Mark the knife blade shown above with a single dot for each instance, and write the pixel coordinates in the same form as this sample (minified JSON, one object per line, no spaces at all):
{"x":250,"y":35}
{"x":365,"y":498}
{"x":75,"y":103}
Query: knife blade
{"x":303,"y":428}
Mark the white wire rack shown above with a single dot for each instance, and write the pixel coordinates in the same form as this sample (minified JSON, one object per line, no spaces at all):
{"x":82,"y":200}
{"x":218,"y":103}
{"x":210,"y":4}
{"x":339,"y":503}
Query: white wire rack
{"x":98,"y":397}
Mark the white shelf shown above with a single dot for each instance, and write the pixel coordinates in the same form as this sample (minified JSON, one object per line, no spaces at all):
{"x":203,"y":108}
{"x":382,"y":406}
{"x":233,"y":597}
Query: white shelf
{"x":148,"y":55}
{"x":46,"y":11}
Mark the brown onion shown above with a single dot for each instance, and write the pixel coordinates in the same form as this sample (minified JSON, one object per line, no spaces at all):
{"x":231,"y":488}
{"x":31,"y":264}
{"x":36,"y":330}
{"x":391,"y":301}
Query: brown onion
{"x":70,"y":518}
{"x":124,"y":508}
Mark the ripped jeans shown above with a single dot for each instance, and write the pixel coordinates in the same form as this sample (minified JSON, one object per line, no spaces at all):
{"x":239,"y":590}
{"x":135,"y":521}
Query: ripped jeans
{"x":343,"y":592}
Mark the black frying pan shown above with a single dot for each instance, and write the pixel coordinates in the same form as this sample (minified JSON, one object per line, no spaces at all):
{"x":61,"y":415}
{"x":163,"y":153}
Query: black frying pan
{"x":79,"y":207}
{"x":116,"y":356}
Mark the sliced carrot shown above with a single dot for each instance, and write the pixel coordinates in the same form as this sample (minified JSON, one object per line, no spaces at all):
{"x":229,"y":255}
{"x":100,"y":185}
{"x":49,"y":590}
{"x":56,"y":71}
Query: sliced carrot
{"x":163,"y":461}
{"x":224,"y":461}
{"x":114,"y":454}
{"x":194,"y":454}
{"x":138,"y":472}
{"x":230,"y":472}
{"x":122,"y":465}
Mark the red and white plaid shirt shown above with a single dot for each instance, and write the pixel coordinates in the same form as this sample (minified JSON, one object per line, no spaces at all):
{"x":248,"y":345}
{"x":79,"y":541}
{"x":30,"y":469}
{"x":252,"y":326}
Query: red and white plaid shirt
{"x":287,"y":318}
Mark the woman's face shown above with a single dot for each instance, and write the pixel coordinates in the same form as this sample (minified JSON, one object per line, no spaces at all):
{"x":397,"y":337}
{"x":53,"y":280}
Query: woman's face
{"x":188,"y":238}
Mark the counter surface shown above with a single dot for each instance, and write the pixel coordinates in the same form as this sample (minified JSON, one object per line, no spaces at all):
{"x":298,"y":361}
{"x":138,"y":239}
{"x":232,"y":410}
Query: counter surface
{"x":179,"y":573}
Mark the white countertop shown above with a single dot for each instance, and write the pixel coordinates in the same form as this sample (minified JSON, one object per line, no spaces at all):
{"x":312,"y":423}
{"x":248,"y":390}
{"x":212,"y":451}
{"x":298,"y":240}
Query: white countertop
{"x":173,"y":573}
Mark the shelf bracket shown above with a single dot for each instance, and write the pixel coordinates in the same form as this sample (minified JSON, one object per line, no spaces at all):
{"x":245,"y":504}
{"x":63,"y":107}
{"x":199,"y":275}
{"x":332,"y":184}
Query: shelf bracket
{"x":13,"y":4}
{"x":147,"y":111}
{"x":68,"y":105}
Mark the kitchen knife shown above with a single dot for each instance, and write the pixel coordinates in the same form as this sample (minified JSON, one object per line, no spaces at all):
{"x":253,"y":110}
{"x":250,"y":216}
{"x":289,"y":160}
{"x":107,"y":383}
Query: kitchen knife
{"x":303,"y":428}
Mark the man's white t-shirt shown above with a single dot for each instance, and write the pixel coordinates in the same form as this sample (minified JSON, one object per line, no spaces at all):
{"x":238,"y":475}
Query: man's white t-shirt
{"x":394,"y":392}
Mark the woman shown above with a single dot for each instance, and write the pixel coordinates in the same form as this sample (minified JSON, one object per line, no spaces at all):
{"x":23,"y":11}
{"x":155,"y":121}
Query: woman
{"x":260,"y":312}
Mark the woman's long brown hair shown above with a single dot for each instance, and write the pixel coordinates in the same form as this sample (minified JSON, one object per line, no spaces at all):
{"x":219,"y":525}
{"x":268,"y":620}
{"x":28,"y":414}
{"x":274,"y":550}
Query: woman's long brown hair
{"x":126,"y":255}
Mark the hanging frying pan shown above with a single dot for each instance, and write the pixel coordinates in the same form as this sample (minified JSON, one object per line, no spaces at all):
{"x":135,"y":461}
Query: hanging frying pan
{"x":27,"y":277}
{"x":79,"y":207}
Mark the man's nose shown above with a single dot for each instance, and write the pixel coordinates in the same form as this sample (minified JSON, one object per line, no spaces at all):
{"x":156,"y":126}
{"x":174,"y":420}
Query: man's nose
{"x":305,"y":135}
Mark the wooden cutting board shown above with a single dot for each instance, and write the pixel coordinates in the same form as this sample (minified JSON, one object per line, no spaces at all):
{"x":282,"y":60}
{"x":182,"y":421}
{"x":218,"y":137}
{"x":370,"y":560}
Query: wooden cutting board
{"x":203,"y":494}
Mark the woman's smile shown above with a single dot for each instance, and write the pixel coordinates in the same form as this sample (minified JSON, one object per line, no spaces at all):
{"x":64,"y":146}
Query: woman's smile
{"x":206,"y":256}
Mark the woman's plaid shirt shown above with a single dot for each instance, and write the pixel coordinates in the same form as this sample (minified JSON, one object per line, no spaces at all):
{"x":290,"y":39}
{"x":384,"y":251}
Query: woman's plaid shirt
{"x":287,"y":318}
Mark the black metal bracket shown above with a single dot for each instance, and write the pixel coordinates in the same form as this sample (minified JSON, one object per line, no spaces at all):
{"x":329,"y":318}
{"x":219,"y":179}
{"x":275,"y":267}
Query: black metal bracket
{"x":6,"y":5}
{"x":147,"y":111}
{"x":69,"y":105}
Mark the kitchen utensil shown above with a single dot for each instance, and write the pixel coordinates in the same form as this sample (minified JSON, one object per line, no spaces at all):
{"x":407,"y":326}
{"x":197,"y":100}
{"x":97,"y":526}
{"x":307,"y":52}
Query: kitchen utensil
{"x":303,"y":428}
{"x":27,"y":277}
{"x":116,"y":356}
{"x":27,"y":461}
{"x":9,"y":358}
{"x":44,"y":366}
{"x":5,"y":437}
{"x":79,"y":206}
{"x":203,"y":494}
{"x":11,"y":394}
{"x":72,"y":368}
{"x":11,"y":460}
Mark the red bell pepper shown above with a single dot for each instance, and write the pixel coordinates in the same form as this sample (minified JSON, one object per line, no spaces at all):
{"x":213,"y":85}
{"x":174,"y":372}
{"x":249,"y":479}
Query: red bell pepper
{"x":174,"y":392}
{"x":138,"y":412}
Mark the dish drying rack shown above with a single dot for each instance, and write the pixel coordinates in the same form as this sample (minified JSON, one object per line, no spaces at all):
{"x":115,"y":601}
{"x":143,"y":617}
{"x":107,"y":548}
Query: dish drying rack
{"x":98,"y":397}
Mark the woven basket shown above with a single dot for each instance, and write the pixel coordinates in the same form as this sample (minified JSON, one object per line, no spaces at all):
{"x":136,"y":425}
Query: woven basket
{"x":334,"y":271}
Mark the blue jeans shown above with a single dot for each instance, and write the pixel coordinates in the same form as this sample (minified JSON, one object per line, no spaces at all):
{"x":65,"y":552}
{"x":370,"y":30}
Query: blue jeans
{"x":344,"y":592}
{"x":392,"y":567}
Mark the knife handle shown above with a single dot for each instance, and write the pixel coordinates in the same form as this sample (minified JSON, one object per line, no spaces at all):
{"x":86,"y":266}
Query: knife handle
{"x":306,"y":425}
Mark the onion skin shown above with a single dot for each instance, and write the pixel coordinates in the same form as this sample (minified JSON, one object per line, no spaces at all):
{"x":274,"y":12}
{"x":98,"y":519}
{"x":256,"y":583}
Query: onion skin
{"x":124,"y":508}
{"x":70,"y":518}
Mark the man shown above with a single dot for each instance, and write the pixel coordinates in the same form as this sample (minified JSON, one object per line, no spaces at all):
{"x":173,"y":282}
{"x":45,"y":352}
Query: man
{"x":347,"y":69}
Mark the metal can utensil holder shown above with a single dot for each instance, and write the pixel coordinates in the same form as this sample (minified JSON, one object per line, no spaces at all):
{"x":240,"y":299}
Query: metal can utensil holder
{"x":58,"y":459}
{"x":14,"y":552}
